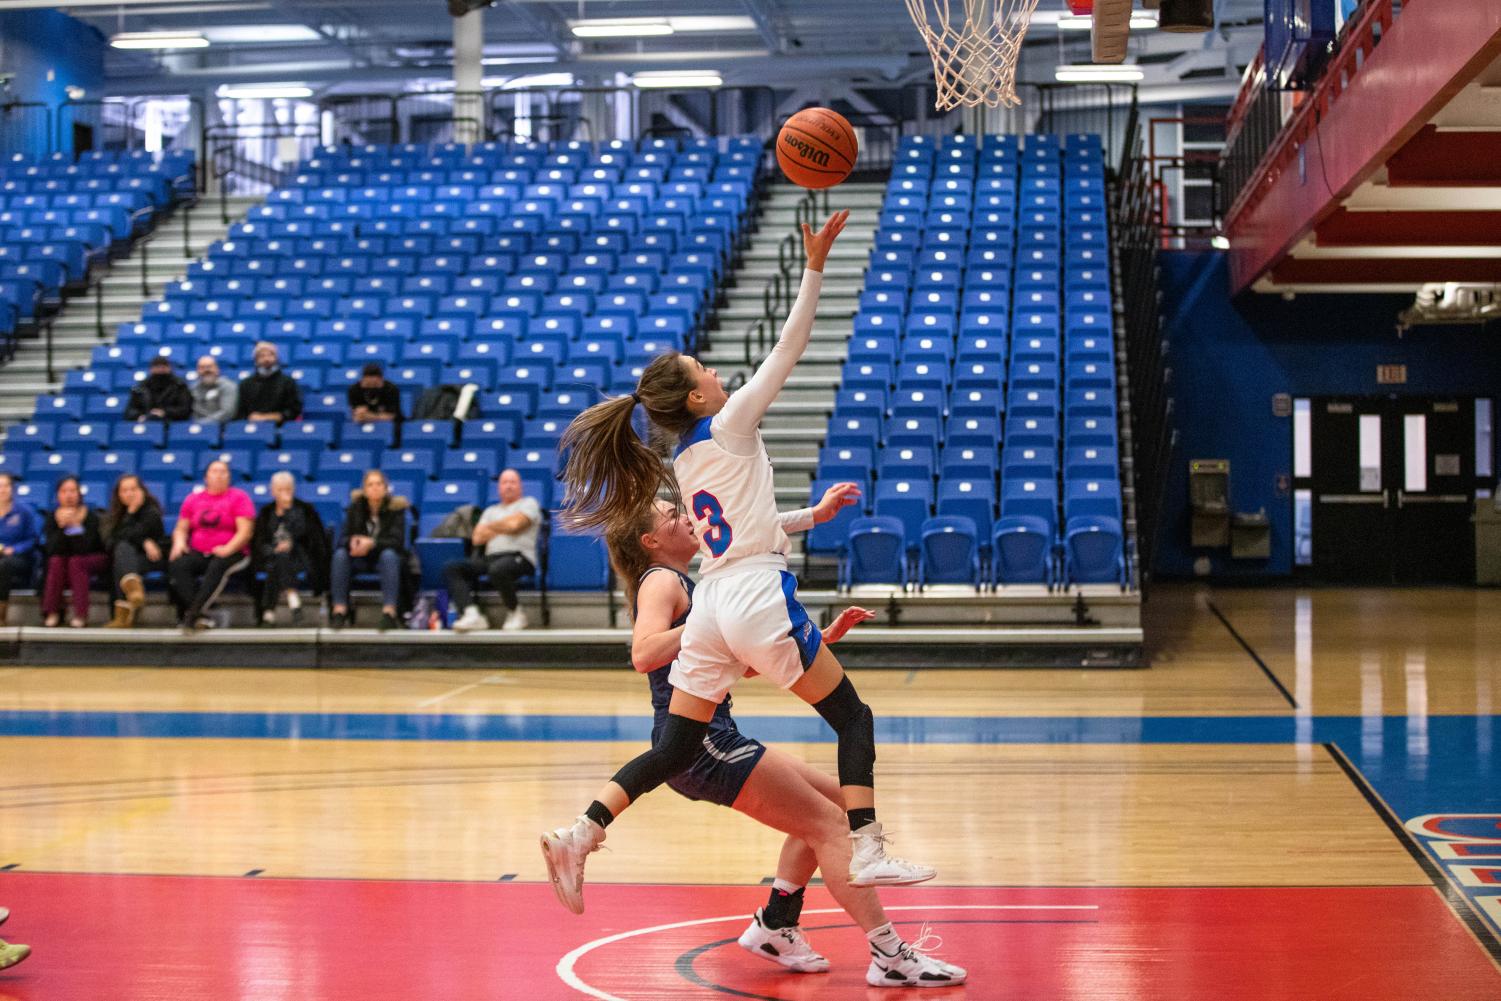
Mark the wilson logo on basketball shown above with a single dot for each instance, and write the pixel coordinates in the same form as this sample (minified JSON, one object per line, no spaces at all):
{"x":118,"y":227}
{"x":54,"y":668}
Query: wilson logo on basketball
{"x":809,"y":152}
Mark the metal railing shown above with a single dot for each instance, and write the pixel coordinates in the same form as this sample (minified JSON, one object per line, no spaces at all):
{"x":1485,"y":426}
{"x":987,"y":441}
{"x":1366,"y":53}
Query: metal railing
{"x":781,"y":289}
{"x":1136,"y":235}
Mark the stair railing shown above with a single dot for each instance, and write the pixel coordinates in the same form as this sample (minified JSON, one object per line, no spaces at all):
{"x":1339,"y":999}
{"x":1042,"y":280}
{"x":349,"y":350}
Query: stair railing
{"x":780,"y":290}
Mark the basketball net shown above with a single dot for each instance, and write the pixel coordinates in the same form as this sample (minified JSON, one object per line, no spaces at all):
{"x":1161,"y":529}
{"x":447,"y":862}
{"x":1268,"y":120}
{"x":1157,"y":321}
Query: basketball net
{"x":974,"y":56}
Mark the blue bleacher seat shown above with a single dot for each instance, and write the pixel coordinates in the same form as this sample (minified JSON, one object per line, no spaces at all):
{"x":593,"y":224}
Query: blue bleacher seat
{"x":948,"y":552}
{"x":1023,"y":551}
{"x":1093,"y":551}
{"x":875,"y":553}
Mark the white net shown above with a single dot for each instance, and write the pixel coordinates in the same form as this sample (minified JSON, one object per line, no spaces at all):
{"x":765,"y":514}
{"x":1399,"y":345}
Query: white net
{"x":975,"y":46}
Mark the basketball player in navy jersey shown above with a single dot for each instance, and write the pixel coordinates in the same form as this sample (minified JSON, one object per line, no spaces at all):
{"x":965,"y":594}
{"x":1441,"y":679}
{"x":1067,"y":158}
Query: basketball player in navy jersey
{"x":772,"y":787}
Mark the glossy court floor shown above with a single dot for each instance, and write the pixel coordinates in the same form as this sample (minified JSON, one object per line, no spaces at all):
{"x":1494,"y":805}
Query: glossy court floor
{"x":1301,"y":799}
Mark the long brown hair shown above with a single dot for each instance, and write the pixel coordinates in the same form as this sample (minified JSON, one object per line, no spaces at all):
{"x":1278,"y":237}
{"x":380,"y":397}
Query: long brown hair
{"x":627,"y":555}
{"x":117,"y":512}
{"x":611,"y":476}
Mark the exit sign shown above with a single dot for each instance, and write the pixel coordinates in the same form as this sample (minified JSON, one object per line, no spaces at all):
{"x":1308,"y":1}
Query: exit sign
{"x":1391,"y":375}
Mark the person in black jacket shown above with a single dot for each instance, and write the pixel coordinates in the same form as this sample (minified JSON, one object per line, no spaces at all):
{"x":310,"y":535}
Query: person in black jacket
{"x":162,"y":395}
{"x":136,"y":539}
{"x":374,"y":539}
{"x":269,"y":394}
{"x":373,"y":398}
{"x":289,"y":540}
{"x":75,"y":553}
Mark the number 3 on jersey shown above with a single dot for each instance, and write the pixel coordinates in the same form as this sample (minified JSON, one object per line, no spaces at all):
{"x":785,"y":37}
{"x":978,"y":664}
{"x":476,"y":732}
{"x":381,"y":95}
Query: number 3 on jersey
{"x":718,"y":535}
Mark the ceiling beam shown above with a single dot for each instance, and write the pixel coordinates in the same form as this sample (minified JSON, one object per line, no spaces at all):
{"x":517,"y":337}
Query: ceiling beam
{"x":1404,"y":229}
{"x":1458,"y":158}
{"x":1364,"y":271}
{"x":761,"y":12}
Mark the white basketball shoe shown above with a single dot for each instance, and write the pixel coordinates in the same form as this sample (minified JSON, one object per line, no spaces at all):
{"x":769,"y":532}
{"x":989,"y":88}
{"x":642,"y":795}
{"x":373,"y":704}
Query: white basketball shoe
{"x":911,"y":967}
{"x":783,"y":946}
{"x":871,"y":866}
{"x":565,"y":850}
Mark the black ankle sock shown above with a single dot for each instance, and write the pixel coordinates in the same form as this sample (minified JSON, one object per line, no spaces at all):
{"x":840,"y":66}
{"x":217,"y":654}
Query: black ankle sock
{"x":782,"y":910}
{"x":860,"y":817}
{"x":599,"y":814}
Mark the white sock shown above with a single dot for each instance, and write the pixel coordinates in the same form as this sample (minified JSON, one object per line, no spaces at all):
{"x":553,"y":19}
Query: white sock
{"x":471,"y":610}
{"x":885,"y":939}
{"x":294,"y":600}
{"x":785,"y":886}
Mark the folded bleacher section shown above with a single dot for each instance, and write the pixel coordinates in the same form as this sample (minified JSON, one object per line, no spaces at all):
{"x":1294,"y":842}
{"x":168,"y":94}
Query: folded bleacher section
{"x":980,"y":383}
{"x":58,"y":219}
{"x":540,"y":273}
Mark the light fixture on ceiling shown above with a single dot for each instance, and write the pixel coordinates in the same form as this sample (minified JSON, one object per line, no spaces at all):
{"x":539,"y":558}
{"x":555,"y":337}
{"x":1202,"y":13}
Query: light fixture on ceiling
{"x":158,"y":40}
{"x":539,"y":80}
{"x":621,"y":27}
{"x":677,"y":78}
{"x":243,"y":34}
{"x":264,"y":91}
{"x":1141,"y":20}
{"x":1098,"y":73}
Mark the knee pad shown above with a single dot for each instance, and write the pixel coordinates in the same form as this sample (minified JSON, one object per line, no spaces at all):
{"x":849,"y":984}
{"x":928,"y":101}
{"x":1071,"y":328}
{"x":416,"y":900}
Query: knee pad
{"x":855,"y":724}
{"x":682,"y":739}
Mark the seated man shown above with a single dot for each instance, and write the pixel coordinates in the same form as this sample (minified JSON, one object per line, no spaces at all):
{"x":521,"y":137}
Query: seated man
{"x":505,"y":541}
{"x":162,"y":395}
{"x":373,"y":398}
{"x":268,"y":394}
{"x":214,"y":398}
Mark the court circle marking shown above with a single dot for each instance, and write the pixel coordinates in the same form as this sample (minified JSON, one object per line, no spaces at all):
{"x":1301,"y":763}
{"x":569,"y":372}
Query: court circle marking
{"x":565,"y":967}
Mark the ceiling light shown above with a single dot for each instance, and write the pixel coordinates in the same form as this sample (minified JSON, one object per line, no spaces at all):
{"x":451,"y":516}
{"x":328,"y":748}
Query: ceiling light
{"x":264,"y":91}
{"x":678,"y":78}
{"x":1097,"y":73}
{"x":240,"y":34}
{"x":711,"y":23}
{"x":621,"y":27}
{"x":539,"y":80}
{"x":517,"y":60}
{"x":1141,"y":20}
{"x":158,"y":40}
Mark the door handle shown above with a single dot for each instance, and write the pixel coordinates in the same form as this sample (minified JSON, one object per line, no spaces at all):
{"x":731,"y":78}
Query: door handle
{"x":1380,"y":498}
{"x":1406,"y":498}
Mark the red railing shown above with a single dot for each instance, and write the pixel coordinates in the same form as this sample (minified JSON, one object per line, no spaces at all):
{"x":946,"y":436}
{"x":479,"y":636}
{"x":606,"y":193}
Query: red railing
{"x":1357,"y":41}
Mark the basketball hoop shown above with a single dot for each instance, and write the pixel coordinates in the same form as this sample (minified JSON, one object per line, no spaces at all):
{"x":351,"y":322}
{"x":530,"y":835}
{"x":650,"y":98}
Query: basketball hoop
{"x":974,"y":56}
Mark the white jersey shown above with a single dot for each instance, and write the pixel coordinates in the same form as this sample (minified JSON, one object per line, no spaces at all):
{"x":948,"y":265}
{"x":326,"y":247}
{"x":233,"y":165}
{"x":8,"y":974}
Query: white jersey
{"x":732,"y":499}
{"x":722,"y":466}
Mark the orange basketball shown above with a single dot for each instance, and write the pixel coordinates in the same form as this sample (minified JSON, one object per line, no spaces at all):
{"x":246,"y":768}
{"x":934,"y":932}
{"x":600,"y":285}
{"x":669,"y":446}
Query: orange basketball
{"x":816,"y":148}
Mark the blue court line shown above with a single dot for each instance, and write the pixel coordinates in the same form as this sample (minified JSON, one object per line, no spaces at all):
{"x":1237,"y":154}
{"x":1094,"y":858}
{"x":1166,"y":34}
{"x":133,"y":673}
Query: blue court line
{"x":1352,"y":731}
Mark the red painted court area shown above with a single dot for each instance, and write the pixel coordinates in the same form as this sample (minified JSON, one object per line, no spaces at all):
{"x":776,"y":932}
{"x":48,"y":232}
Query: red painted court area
{"x":137,"y":938}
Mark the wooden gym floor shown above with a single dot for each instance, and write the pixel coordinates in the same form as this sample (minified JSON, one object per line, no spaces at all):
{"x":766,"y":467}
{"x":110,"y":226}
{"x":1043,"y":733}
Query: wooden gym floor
{"x":1301,"y":799}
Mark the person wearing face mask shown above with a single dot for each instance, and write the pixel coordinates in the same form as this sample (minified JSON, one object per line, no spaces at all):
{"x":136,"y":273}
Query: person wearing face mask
{"x":505,"y":549}
{"x":209,"y":544}
{"x":162,"y":395}
{"x":214,"y":397}
{"x":268,"y":394}
{"x":75,"y":553}
{"x":289,"y":540}
{"x":20,"y":534}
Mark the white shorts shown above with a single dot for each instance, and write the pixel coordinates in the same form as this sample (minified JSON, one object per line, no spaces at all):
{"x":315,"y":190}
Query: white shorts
{"x":740,"y":620}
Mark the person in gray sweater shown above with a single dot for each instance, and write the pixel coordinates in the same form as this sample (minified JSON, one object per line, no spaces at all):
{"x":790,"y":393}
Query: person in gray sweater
{"x":214,"y":397}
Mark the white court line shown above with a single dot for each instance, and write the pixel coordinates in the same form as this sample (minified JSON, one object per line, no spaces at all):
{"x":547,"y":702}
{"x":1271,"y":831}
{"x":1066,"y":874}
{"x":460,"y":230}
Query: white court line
{"x":494,"y":679}
{"x":567,"y":963}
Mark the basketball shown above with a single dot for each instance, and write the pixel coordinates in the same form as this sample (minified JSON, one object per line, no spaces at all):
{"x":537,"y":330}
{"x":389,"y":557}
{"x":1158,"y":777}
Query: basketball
{"x":816,"y":148}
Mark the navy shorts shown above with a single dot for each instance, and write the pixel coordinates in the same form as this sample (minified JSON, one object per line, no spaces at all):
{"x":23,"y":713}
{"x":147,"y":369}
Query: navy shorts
{"x":721,"y":769}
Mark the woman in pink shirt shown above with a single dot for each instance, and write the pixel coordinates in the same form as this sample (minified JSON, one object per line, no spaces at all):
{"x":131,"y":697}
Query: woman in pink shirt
{"x":211,"y":541}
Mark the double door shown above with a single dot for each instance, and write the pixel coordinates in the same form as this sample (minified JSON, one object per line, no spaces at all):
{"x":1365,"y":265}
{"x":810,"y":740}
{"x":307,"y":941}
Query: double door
{"x":1391,"y":483}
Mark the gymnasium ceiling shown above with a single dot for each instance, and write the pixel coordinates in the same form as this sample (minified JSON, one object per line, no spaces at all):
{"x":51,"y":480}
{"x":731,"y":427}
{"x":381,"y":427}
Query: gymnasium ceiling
{"x":354,"y":44}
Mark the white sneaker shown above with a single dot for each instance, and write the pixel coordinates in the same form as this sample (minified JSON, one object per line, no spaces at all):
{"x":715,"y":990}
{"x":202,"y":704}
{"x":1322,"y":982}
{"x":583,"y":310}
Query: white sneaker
{"x":871,"y":866}
{"x":911,"y":967}
{"x":783,"y":946}
{"x":515,"y":619}
{"x":565,"y":851}
{"x":472,"y":619}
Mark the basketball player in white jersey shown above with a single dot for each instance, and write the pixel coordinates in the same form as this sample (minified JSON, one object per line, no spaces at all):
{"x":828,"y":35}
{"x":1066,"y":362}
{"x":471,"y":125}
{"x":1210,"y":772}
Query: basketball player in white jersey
{"x":745,"y":612}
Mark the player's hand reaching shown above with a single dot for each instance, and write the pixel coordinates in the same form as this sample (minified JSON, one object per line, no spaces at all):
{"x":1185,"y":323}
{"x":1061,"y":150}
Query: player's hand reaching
{"x":847,"y":620}
{"x":817,"y":245}
{"x":835,"y":499}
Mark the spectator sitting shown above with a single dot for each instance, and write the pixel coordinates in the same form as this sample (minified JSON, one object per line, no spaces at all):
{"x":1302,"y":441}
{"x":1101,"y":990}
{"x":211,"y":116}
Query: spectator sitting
{"x":20,"y":532}
{"x":214,"y":398}
{"x":161,"y":395}
{"x":75,"y":553}
{"x":374,"y":539}
{"x":136,"y":539}
{"x":373,"y":398}
{"x":289,"y":539}
{"x":269,"y":394}
{"x":505,"y":541}
{"x":209,"y":544}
